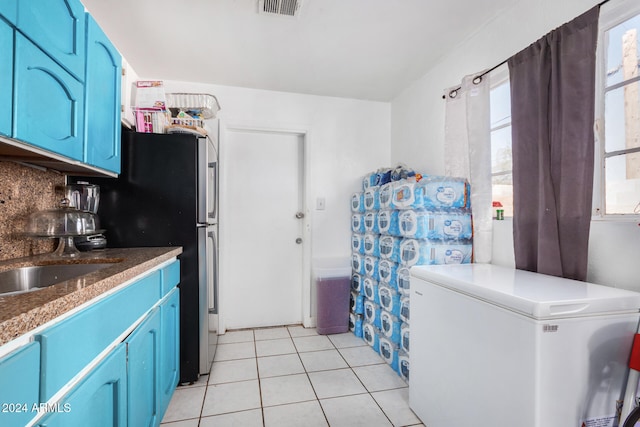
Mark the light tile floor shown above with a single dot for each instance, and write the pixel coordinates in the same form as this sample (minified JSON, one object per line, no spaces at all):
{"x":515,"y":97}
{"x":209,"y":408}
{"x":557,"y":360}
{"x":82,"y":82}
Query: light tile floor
{"x":291,"y":376}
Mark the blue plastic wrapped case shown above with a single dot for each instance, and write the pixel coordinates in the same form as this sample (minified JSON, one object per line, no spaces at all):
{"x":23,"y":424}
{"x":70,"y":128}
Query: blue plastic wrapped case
{"x":428,"y":252}
{"x":357,"y":202}
{"x":405,"y":309}
{"x":389,"y":352}
{"x":372,"y":199}
{"x":370,"y":289}
{"x":355,"y":324}
{"x":390,"y":326}
{"x":356,"y":283}
{"x":371,"y":222}
{"x":423,"y":224}
{"x":403,"y":365}
{"x":371,"y":266}
{"x":357,"y":243}
{"x":372,"y":244}
{"x":357,"y":223}
{"x":388,"y":222}
{"x":372,"y":313}
{"x":388,"y":273}
{"x":370,"y":336}
{"x":356,"y":303}
{"x":390,"y":248}
{"x":389,"y":299}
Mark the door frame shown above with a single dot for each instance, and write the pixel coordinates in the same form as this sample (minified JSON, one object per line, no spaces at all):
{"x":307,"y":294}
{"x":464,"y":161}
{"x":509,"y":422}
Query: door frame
{"x":304,"y":134}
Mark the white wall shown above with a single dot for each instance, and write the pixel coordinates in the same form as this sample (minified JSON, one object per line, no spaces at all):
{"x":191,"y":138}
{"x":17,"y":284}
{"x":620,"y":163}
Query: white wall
{"x":346,"y":139}
{"x":417,"y":127}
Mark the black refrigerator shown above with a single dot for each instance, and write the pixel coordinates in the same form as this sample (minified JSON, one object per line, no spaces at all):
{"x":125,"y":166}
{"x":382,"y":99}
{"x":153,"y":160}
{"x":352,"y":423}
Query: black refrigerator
{"x":166,"y":195}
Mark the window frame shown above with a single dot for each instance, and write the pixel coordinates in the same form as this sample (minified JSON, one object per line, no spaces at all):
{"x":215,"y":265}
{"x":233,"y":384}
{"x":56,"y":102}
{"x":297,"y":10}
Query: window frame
{"x":611,"y":15}
{"x":498,"y":77}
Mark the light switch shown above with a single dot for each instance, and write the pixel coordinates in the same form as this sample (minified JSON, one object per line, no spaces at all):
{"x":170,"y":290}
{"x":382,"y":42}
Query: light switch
{"x":320,"y":203}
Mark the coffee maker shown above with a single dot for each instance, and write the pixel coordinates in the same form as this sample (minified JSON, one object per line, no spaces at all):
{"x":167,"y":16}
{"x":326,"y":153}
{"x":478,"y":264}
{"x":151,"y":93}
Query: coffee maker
{"x":85,"y":197}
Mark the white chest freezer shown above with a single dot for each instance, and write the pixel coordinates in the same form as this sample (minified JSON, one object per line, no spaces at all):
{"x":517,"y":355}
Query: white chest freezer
{"x":499,"y":347}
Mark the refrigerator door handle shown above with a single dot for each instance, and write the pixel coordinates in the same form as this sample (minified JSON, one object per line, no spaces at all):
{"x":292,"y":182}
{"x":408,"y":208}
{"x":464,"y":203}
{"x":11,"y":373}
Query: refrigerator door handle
{"x":212,"y":199}
{"x":212,"y":277}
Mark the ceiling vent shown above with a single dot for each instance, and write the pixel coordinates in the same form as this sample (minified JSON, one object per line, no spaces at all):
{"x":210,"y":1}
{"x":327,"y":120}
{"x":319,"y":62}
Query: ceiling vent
{"x":290,"y":8}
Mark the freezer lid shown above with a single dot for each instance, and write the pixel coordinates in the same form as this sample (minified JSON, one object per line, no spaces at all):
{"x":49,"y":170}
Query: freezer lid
{"x":532,"y":294}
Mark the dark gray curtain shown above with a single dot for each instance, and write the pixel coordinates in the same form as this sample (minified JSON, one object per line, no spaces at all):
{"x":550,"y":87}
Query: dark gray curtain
{"x":552,"y":113}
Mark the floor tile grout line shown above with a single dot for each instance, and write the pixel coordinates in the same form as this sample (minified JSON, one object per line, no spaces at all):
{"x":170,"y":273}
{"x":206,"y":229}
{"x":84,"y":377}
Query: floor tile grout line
{"x":312,"y":387}
{"x":306,"y":372}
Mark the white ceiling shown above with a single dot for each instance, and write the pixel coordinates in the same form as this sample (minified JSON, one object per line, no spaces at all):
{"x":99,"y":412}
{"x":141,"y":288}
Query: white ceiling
{"x":364,"y":49}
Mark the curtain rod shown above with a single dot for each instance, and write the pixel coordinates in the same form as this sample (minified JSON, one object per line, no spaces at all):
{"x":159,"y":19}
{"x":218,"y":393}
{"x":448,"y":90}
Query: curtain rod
{"x":477,"y":79}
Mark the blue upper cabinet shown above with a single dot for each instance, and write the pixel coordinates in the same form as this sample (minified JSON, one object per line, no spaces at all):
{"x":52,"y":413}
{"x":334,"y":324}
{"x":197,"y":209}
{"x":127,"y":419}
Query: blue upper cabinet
{"x":48,"y":105}
{"x":58,"y":27}
{"x":102,"y":100}
{"x":9,"y":10}
{"x":6,"y":76}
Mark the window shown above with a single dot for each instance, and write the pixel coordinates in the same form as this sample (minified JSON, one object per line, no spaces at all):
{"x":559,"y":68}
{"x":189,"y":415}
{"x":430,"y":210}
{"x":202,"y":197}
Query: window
{"x":501,"y":164}
{"x":617,"y":168}
{"x":618,"y":111}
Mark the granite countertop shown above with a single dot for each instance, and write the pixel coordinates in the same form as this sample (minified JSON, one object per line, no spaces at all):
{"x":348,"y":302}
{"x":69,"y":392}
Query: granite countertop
{"x":22,"y":313}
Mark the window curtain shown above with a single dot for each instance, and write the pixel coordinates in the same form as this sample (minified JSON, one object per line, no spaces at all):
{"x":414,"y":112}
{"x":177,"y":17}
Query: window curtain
{"x":468,"y":154}
{"x":552,"y":116}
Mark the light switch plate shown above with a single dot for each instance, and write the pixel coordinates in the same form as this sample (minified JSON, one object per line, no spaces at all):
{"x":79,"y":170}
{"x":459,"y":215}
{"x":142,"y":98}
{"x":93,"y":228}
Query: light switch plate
{"x":320,"y":203}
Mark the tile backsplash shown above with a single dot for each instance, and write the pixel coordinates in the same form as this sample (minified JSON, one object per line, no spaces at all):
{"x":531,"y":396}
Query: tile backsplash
{"x":24,"y":190}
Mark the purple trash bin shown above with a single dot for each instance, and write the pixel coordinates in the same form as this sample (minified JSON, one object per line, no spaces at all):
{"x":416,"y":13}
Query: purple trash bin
{"x":333,"y":288}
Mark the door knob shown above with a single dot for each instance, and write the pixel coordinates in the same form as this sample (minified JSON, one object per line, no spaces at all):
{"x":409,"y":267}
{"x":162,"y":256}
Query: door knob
{"x":299,"y":240}
{"x":299,"y":215}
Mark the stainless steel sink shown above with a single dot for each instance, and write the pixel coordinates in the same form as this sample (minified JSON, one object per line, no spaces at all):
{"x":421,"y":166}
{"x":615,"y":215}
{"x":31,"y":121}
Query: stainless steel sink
{"x":24,"y":279}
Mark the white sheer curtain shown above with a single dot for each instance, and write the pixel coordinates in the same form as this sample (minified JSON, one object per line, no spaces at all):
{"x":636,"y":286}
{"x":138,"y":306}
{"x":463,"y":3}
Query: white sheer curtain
{"x":468,"y":153}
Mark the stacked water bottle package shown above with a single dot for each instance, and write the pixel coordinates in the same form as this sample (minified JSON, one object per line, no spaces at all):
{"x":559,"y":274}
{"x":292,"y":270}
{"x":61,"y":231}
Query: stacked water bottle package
{"x":401,"y":219}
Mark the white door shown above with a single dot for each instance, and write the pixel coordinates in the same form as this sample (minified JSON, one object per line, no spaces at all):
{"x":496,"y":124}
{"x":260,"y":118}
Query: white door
{"x":262,"y":253}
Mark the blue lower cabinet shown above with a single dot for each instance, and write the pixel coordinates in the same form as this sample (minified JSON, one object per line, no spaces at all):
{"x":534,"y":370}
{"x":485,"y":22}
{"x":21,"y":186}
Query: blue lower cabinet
{"x":143,"y":371}
{"x":169,"y":348}
{"x":6,"y":77}
{"x":19,"y":382}
{"x":100,"y":400}
{"x":9,"y":10}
